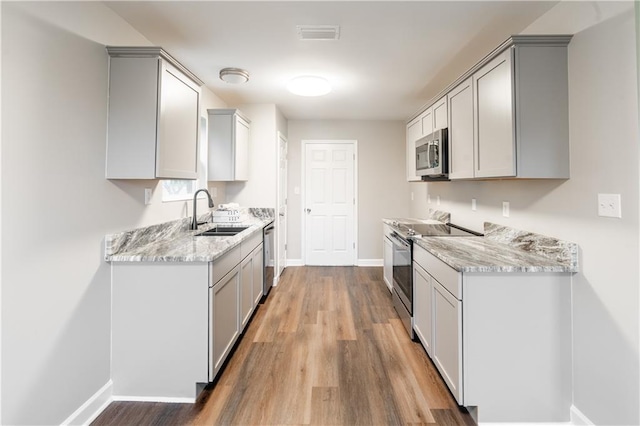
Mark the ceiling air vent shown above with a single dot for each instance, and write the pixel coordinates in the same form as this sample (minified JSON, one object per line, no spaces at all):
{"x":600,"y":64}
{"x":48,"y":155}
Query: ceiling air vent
{"x":319,"y":32}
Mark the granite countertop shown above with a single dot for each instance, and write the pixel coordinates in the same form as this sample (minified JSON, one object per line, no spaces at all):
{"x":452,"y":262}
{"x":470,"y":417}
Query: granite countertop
{"x":481,"y":254}
{"x":175,"y":242}
{"x":502,"y":249}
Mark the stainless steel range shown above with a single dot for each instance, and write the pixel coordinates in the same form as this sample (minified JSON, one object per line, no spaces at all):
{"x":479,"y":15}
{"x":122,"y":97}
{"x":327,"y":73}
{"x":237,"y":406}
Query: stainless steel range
{"x":401,"y":235}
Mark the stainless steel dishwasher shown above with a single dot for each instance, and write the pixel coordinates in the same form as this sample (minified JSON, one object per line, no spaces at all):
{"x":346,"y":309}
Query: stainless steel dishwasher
{"x":269,"y":248}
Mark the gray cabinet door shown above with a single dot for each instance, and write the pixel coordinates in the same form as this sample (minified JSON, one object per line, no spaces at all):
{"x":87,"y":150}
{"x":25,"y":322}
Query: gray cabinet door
{"x":178,"y":125}
{"x":246,"y":291}
{"x":224,"y":327}
{"x":447,"y":338}
{"x":495,"y":154}
{"x":422,"y":299}
{"x":461,"y":131}
{"x":258,"y":274}
{"x":440,"y":114}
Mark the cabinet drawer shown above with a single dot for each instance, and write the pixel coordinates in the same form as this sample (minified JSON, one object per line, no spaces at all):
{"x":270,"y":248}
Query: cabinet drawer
{"x":250,"y":243}
{"x":223,"y":265}
{"x":443,"y":273}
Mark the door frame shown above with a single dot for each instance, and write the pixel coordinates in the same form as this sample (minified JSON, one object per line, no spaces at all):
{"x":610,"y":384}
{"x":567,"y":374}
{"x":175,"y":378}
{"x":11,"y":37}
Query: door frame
{"x":281,"y":234}
{"x":303,"y":234}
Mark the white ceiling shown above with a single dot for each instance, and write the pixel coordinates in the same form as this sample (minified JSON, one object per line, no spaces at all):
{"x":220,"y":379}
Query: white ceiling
{"x":391,"y":57}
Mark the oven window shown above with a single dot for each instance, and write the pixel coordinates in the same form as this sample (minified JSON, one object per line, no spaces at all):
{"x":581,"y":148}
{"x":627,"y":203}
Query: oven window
{"x":402,"y":271}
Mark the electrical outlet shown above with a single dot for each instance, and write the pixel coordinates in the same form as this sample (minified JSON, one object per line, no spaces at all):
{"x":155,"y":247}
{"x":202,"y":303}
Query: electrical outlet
{"x":428,"y":198}
{"x":148,"y":193}
{"x":438,"y":200}
{"x":473,"y":204}
{"x":505,"y":208}
{"x":213,"y":191}
{"x":411,"y":195}
{"x":609,"y":205}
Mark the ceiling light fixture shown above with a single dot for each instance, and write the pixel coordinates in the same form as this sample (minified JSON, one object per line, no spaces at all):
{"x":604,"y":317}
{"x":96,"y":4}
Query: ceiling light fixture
{"x":234,"y":75}
{"x":309,"y":85}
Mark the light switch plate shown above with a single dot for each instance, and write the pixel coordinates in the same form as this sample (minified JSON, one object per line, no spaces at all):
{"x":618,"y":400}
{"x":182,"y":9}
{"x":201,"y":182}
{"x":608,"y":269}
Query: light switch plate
{"x":438,"y":200}
{"x":473,"y":204}
{"x":148,"y":193}
{"x":428,"y":198}
{"x":213,"y":191}
{"x":609,"y":205}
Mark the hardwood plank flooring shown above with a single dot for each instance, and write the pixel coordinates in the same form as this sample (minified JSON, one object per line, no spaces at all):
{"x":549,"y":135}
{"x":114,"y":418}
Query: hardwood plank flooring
{"x":327,"y":348}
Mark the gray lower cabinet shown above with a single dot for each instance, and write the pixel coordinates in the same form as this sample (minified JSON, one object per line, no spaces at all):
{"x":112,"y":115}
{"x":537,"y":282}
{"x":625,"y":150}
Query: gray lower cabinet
{"x":175,"y":323}
{"x":160,"y":334}
{"x":501,"y":341}
{"x":225,"y":327}
{"x":153,"y":118}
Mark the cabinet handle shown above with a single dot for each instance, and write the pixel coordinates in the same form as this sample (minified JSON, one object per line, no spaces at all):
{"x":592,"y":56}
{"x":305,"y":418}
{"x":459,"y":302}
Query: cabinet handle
{"x":308,"y":211}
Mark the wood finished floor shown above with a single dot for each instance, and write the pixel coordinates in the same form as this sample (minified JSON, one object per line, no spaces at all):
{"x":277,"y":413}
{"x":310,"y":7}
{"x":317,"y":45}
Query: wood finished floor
{"x":327,"y":348}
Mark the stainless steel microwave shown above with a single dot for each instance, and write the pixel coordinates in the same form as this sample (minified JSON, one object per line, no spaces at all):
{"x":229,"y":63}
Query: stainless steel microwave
{"x":432,"y":156}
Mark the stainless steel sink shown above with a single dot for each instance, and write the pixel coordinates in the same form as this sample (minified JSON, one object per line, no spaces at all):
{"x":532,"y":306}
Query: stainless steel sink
{"x":222,"y":231}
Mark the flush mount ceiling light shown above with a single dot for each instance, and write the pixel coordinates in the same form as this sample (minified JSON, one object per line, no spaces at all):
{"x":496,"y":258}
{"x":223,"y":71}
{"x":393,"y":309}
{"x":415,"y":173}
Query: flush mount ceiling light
{"x":234,"y":75}
{"x":309,"y":85}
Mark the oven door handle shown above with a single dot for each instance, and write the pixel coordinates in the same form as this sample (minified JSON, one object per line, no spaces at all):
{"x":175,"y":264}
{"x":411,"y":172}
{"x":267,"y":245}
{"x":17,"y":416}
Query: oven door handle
{"x":396,"y":238}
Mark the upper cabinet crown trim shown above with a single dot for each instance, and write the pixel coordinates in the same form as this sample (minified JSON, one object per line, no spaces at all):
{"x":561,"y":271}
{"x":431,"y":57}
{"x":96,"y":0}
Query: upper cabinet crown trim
{"x":515,"y":40}
{"x":151,"y":52}
{"x":231,"y":111}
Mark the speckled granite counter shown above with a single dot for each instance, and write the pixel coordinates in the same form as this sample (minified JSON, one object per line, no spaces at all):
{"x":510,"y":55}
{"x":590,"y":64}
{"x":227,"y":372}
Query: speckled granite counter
{"x":175,"y":242}
{"x":504,"y":249}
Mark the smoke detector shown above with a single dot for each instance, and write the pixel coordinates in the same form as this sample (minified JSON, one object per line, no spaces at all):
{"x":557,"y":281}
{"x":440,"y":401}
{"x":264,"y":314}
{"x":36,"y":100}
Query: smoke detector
{"x":318,"y":32}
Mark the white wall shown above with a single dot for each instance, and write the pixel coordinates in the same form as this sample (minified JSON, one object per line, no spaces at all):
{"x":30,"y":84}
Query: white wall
{"x":260,"y":189}
{"x":57,"y":206}
{"x":603,"y":102}
{"x":382,"y":186}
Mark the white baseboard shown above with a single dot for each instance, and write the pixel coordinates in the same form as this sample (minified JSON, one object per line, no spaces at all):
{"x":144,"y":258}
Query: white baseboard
{"x":359,"y":262}
{"x":578,"y":418}
{"x":369,"y":262}
{"x":523,"y":424}
{"x":92,"y":408}
{"x":153,"y":399}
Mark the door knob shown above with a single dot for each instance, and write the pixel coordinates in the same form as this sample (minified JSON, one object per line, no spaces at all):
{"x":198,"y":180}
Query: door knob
{"x":281,"y":214}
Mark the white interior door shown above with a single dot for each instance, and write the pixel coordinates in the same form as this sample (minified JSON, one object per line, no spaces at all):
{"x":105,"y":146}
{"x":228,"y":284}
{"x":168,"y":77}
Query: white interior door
{"x":281,"y":218}
{"x":330,"y":203}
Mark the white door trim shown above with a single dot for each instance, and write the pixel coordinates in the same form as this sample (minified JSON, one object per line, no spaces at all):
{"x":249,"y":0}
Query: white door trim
{"x":303,"y":235}
{"x":281,"y":233}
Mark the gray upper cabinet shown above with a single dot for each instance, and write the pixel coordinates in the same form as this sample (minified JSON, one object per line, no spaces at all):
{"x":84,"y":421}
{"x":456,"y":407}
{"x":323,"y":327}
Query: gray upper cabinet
{"x":494,"y":149}
{"x":522,"y":111}
{"x":508,"y":116}
{"x":153,"y":116}
{"x":229,"y":132}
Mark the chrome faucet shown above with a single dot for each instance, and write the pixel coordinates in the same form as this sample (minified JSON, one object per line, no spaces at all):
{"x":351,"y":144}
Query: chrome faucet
{"x":194,"y":222}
